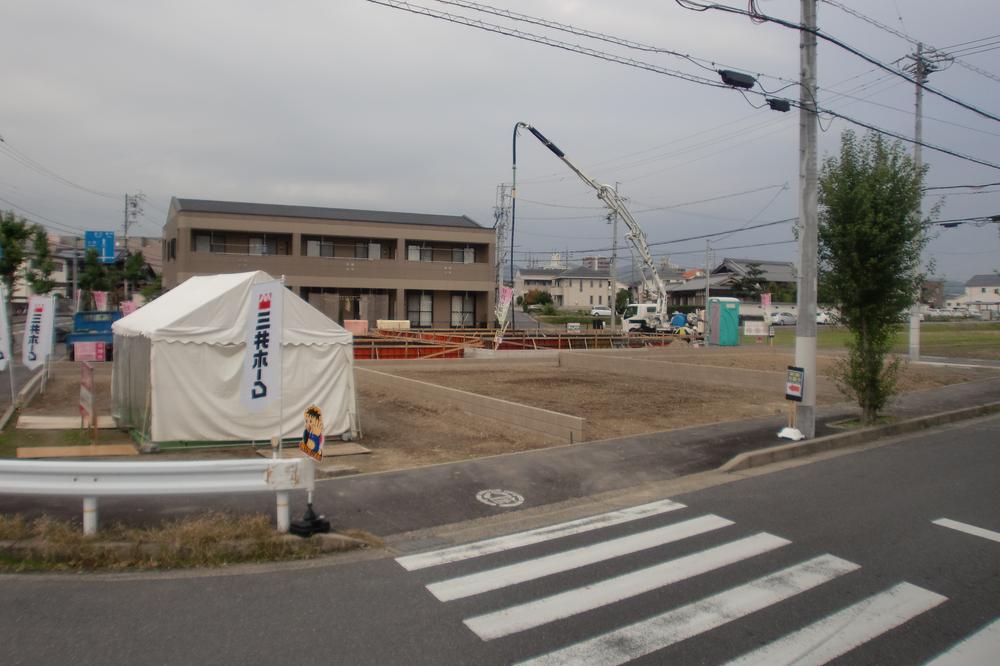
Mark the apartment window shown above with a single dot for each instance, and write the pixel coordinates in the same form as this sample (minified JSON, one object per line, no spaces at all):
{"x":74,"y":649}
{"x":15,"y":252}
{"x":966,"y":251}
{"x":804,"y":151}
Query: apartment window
{"x":173,"y":248}
{"x":419,"y":253}
{"x":581,"y":285}
{"x":420,"y":308}
{"x":203,"y":243}
{"x":600,"y":300}
{"x":361,"y":250}
{"x":591,"y":299}
{"x":374,"y":250}
{"x":463,"y":310}
{"x":591,"y":284}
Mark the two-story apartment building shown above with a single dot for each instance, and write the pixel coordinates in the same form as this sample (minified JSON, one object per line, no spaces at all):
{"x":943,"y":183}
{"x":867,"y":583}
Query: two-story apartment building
{"x":982,"y":295}
{"x":434,"y":270}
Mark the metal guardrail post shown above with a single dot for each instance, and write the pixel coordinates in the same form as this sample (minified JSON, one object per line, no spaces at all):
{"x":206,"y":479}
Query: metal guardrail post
{"x":90,"y":516}
{"x":283,"y":519}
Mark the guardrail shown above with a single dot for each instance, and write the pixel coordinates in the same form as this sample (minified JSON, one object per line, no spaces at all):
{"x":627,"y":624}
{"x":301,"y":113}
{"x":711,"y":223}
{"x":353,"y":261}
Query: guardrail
{"x":93,"y":479}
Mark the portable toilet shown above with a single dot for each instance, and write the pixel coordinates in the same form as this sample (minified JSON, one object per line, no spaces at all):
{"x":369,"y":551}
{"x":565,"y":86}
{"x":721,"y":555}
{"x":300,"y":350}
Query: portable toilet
{"x":723,"y":321}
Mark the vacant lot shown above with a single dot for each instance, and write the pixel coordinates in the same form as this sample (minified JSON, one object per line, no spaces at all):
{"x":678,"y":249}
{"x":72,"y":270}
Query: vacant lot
{"x":406,"y":433}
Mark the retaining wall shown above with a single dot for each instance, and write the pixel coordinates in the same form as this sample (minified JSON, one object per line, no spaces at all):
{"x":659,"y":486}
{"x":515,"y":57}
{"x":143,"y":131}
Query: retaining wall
{"x":562,"y":427}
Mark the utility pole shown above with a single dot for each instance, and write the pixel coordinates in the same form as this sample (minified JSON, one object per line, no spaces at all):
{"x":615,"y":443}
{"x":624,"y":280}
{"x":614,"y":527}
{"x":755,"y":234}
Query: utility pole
{"x":921,"y":67}
{"x":805,"y":327}
{"x":708,"y":270}
{"x":133,"y":209}
{"x":613,"y":301}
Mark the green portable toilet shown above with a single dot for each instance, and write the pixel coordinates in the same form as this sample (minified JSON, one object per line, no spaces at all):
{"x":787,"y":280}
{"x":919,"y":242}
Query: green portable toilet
{"x":724,"y":321}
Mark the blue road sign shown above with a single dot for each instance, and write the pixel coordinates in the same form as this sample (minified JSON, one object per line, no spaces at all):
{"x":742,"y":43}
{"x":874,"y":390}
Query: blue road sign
{"x":103,"y":242}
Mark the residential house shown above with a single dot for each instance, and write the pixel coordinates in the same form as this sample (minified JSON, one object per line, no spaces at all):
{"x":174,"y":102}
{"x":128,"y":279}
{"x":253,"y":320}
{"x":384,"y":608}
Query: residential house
{"x":982,"y":295}
{"x":577,"y":288}
{"x":723,"y":277}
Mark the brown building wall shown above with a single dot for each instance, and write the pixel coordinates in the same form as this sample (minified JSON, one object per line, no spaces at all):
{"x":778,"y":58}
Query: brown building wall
{"x":389,"y":277}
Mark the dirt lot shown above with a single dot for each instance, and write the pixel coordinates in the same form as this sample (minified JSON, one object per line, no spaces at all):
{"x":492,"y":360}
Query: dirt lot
{"x":403,"y":433}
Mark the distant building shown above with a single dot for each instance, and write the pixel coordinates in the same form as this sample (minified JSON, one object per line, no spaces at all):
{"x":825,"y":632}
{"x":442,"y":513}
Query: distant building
{"x":723,"y":277}
{"x":982,"y":295}
{"x":570,"y":288}
{"x":597,"y":263}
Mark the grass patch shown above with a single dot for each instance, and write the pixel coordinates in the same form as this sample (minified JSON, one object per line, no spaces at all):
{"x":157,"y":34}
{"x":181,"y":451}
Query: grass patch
{"x":949,"y":339}
{"x":209,"y":540}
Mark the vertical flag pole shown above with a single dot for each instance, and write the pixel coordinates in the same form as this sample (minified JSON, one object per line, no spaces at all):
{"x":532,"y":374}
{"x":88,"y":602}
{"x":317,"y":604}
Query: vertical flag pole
{"x":8,"y":337}
{"x":281,"y":369}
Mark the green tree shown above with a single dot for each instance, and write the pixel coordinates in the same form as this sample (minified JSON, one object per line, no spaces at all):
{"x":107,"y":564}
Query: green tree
{"x":38,"y":272}
{"x":750,"y":285}
{"x":870,"y":240}
{"x":151,"y":289}
{"x":622,"y":299}
{"x":95,"y":276}
{"x":14,"y":232}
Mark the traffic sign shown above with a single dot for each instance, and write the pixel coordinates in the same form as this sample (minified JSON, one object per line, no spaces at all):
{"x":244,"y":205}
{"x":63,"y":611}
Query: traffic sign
{"x":103,"y":242}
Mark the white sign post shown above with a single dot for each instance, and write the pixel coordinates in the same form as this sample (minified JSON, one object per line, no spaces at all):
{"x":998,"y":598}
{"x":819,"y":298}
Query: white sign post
{"x":6,"y":360}
{"x":38,"y":332}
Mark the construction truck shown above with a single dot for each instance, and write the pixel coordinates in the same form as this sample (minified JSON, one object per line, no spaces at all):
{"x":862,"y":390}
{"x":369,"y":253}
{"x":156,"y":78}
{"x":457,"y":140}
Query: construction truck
{"x":647,"y":316}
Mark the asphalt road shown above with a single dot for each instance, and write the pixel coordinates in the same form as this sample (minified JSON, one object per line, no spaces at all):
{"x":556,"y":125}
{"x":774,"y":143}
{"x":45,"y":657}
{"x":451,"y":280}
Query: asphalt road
{"x":836,"y":557}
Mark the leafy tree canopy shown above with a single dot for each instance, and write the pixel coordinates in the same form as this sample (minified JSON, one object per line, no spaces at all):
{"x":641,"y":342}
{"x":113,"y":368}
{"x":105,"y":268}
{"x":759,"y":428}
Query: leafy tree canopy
{"x":14,"y":232}
{"x":870,"y":241}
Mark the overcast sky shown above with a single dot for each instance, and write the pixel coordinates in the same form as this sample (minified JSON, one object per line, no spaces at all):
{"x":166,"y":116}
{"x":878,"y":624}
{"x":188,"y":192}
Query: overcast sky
{"x":345,"y":103}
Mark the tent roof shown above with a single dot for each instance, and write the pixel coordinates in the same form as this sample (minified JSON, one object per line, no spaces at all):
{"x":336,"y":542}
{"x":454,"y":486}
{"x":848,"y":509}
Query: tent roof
{"x":213,"y":309}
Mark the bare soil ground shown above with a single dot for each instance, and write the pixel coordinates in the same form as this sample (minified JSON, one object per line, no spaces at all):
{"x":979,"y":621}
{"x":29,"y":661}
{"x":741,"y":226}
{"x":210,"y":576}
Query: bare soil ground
{"x":403,"y":433}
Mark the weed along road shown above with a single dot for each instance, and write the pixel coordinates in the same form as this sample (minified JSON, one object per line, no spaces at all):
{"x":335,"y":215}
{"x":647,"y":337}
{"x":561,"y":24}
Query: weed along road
{"x":887,"y":555}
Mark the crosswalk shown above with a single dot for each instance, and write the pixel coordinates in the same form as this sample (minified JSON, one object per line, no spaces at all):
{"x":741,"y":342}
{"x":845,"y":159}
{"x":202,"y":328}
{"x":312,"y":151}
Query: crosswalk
{"x":825,"y":639}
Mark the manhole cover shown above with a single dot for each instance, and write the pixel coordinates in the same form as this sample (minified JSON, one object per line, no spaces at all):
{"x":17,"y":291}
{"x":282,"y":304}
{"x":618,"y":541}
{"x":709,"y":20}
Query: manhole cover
{"x":498,"y":497}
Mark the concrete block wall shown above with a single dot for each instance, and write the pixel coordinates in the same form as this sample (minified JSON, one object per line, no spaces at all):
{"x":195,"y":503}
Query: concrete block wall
{"x":561,"y":427}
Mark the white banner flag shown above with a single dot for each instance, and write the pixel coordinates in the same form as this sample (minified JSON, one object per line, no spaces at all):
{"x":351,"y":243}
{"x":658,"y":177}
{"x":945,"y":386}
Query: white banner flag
{"x":503,"y":304}
{"x":38,"y":331}
{"x":4,"y":331}
{"x":262,"y":363}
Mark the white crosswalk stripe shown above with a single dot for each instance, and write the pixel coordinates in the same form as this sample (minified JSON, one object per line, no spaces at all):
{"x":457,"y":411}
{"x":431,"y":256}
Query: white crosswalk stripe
{"x":968,"y":529}
{"x":535,"y":613}
{"x":658,"y":632}
{"x":845,"y":630}
{"x":540,"y":535}
{"x":494,"y":579}
{"x":980,"y":649}
{"x":818,"y":643}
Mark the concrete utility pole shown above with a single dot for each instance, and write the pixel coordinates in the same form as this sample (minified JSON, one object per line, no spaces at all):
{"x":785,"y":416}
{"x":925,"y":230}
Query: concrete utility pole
{"x":708,"y":269}
{"x":614,"y":268}
{"x":805,"y":327}
{"x":921,"y":67}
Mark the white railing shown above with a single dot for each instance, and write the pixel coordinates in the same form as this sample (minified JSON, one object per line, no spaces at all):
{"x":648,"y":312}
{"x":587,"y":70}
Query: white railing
{"x":91,"y":480}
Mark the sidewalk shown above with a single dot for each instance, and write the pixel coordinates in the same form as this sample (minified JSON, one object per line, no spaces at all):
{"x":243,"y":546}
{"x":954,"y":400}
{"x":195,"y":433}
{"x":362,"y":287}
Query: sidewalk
{"x":393,"y":502}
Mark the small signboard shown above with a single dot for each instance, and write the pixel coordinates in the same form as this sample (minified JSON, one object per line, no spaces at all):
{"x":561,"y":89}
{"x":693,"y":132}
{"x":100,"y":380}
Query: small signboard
{"x":103,"y":242}
{"x":90,"y":351}
{"x":756,"y":329}
{"x":794,"y":383}
{"x":573,"y":327}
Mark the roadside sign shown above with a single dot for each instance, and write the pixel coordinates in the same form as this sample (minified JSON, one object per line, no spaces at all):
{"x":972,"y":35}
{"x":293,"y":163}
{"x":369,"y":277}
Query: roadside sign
{"x":573,"y":327}
{"x":103,"y":242}
{"x":89,"y":351}
{"x":755,"y":329}
{"x":261,"y":383}
{"x":793,"y":383}
{"x":37,"y":345}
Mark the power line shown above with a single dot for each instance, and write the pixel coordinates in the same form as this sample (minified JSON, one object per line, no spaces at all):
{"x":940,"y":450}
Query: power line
{"x":711,"y":235}
{"x":65,"y":227}
{"x":39,"y":168}
{"x":956,"y":187}
{"x":547,"y":41}
{"x":837,"y":42}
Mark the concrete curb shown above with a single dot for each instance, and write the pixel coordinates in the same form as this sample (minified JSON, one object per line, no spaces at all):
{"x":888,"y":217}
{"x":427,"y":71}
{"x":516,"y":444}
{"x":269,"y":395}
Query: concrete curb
{"x":775,"y":454}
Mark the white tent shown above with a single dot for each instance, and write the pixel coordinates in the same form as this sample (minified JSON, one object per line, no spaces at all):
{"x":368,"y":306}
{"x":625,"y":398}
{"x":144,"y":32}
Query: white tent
{"x":178,"y":364}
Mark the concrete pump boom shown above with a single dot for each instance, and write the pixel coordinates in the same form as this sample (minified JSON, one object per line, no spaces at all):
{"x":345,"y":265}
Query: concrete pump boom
{"x":635,"y":235}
